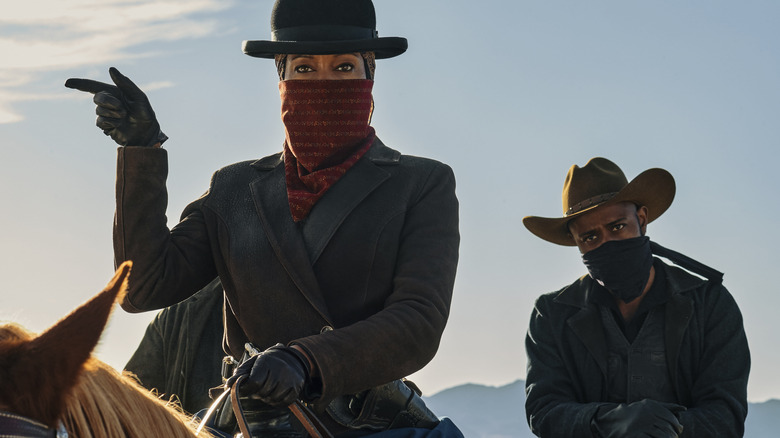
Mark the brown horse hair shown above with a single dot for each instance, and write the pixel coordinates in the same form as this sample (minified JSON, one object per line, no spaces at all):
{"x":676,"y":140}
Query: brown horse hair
{"x":37,"y":372}
{"x":134,"y":411}
{"x":107,"y":403}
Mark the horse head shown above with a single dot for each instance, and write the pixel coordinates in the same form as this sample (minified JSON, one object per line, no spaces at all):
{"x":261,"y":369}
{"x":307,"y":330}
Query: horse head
{"x":38,"y":372}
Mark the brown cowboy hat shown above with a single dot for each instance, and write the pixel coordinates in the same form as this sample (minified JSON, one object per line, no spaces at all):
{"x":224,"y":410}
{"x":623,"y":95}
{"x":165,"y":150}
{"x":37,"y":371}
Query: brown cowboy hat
{"x":601,"y":182}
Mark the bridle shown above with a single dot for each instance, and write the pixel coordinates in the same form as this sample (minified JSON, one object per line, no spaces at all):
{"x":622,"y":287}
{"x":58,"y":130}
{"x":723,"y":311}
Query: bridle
{"x":17,"y":426}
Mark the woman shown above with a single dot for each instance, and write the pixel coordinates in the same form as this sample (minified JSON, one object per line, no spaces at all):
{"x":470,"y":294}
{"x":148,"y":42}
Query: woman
{"x":337,"y":256}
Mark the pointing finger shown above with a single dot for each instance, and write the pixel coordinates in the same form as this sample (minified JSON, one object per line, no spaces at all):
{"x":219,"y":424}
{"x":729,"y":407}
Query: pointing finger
{"x":91,"y":86}
{"x":125,"y":85}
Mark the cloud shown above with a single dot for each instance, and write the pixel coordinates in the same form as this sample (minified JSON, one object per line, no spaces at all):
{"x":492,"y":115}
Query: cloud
{"x":42,"y":36}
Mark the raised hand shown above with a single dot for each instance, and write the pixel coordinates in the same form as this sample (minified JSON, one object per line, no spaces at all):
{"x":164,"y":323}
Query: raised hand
{"x":123,"y":110}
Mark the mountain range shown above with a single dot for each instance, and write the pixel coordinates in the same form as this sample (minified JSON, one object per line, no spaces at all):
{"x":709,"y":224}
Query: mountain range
{"x":499,"y":412}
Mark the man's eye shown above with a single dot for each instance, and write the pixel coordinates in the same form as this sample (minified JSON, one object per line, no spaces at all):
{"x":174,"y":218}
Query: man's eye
{"x":590,"y":238}
{"x":618,"y":227}
{"x":346,"y":67}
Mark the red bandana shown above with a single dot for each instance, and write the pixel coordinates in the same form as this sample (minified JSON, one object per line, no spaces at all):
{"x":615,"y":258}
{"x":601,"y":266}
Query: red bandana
{"x":327,"y":131}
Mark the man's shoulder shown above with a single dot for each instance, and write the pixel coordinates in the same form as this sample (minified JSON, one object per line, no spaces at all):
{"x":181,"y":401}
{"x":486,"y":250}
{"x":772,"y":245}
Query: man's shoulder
{"x":574,"y":294}
{"x":681,"y":280}
{"x":707,"y":295}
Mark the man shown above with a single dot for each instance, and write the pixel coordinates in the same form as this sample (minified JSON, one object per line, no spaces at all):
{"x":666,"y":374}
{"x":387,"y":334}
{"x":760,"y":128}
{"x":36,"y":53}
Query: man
{"x":181,"y":352}
{"x":637,"y":347}
{"x":337,"y":255}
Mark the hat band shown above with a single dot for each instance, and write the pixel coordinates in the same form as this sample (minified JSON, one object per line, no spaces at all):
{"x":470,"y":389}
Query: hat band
{"x":325,"y":32}
{"x":589,"y":202}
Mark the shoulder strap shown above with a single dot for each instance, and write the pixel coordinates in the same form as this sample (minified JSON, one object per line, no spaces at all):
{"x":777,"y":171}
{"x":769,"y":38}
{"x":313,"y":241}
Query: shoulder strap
{"x":686,"y":262}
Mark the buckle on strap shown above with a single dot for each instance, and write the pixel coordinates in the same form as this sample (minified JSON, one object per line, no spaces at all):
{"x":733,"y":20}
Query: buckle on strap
{"x":229,"y":365}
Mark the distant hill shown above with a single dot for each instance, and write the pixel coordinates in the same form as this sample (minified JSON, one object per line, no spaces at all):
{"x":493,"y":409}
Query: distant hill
{"x":499,"y":412}
{"x":763,"y":420}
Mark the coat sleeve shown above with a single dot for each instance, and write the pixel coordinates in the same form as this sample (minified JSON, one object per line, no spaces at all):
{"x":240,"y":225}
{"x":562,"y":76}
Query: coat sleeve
{"x":552,"y":406}
{"x":404,"y":335}
{"x":169,"y":265}
{"x":718,"y":405}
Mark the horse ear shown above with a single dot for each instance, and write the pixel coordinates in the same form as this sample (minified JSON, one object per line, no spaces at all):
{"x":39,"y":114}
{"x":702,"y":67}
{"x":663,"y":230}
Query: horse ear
{"x":59,"y":353}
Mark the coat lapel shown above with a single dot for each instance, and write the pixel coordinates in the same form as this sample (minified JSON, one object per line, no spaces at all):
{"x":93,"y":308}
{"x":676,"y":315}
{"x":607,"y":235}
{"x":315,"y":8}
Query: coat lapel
{"x":341,"y":199}
{"x":586,"y":324}
{"x":270,"y":197}
{"x":679,"y":310}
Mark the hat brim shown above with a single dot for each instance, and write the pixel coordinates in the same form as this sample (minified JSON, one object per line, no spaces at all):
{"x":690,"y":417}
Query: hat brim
{"x":384,"y":47}
{"x":653,"y":188}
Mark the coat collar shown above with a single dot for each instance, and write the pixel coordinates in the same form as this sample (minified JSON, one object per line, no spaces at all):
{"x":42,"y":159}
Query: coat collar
{"x":679,"y":281}
{"x":298,"y":248}
{"x":269,"y":162}
{"x":587,"y":327}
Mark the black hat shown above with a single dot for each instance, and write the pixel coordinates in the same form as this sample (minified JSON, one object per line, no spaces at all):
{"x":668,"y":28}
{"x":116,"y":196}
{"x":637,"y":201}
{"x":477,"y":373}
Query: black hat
{"x":323,"y":27}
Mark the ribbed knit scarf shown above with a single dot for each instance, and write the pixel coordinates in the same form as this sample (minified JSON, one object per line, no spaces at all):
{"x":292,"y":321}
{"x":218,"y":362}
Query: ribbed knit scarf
{"x":326,"y":133}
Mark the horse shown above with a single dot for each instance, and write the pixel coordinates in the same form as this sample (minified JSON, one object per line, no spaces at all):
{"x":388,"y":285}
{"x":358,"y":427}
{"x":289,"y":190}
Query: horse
{"x":50,"y":385}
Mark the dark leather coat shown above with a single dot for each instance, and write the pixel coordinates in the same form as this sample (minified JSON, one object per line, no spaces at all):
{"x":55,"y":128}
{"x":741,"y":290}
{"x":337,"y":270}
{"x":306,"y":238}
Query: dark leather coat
{"x":706,"y":348}
{"x":375,"y":259}
{"x":181,"y":351}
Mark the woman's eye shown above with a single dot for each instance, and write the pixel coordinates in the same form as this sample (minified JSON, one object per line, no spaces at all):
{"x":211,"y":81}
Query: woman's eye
{"x":346,"y":67}
{"x":303,"y":68}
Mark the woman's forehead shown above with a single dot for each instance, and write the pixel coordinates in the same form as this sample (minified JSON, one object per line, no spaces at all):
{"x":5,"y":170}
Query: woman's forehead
{"x":334,"y":55}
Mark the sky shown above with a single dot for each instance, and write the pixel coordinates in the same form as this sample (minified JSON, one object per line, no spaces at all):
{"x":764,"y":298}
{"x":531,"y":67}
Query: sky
{"x":510,"y":94}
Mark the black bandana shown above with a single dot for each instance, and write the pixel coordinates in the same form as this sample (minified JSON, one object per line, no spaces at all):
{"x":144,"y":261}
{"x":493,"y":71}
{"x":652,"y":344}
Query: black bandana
{"x":621,"y":266}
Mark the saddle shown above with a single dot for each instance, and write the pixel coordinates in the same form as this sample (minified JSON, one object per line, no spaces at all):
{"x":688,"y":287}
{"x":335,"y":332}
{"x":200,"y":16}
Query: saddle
{"x":231,"y":412}
{"x":396,"y":404}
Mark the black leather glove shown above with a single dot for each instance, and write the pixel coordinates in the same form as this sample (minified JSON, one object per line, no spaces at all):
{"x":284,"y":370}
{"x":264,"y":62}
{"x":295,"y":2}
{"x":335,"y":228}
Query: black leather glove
{"x":646,"y":418}
{"x":277,"y":376}
{"x":123,"y":110}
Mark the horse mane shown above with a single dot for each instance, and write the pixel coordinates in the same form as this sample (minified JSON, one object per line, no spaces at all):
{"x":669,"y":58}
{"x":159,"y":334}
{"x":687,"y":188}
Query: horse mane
{"x":107,"y":403}
{"x":53,"y":378}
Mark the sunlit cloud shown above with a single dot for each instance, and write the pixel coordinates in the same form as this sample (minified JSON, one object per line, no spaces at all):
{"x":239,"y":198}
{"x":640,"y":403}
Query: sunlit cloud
{"x":41,"y":36}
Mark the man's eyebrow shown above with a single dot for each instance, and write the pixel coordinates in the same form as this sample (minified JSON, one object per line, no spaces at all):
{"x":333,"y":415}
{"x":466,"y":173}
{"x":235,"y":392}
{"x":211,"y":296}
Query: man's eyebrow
{"x":617,"y":221}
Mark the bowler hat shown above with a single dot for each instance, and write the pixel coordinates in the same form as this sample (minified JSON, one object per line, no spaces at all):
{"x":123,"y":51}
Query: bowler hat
{"x":322,"y":27}
{"x":601,"y":182}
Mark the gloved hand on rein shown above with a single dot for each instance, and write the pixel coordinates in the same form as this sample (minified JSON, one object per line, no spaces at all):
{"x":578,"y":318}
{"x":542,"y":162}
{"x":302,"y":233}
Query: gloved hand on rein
{"x":123,"y":110}
{"x":277,"y":376}
{"x":645,"y":418}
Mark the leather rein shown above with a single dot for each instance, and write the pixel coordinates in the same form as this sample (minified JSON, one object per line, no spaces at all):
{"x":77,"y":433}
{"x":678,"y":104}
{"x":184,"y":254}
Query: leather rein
{"x":308,"y":419}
